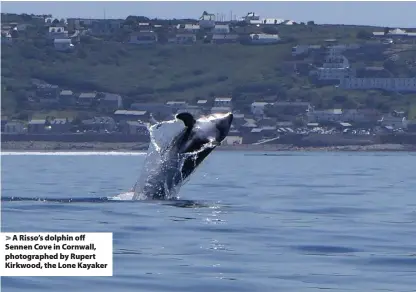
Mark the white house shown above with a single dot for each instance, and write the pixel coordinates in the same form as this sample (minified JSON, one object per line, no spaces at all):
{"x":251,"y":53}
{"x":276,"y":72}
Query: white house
{"x":257,"y":108}
{"x":62,"y":44}
{"x":263,"y":39}
{"x":223,"y":102}
{"x":14,"y":127}
{"x":336,"y":67}
{"x":57,"y":33}
{"x":188,"y":27}
{"x":389,"y":84}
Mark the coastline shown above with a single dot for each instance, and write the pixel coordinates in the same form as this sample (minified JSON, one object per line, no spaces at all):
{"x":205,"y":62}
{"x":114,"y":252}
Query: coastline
{"x":41,"y":146}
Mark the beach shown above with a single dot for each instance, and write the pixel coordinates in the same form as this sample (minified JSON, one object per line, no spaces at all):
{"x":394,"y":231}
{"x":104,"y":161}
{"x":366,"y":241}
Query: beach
{"x":129,"y":146}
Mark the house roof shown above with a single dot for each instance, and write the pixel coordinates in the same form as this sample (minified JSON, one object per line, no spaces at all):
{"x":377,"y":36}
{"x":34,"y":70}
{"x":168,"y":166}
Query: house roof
{"x":176,"y":102}
{"x":220,"y":108}
{"x":202,"y":101}
{"x":260,"y":103}
{"x":223,"y":99}
{"x":11,"y":123}
{"x":88,"y":95}
{"x":127,"y":112}
{"x":66,"y":92}
{"x":37,"y":121}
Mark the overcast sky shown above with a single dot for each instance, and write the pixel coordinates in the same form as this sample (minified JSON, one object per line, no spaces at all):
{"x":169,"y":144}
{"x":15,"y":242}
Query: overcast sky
{"x":393,"y":14}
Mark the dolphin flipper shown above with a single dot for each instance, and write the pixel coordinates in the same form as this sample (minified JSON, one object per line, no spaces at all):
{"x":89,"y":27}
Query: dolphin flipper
{"x":187,"y":119}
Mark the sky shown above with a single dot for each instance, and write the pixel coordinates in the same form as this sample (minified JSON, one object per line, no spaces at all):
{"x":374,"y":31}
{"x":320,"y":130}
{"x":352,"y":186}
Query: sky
{"x":391,"y":14}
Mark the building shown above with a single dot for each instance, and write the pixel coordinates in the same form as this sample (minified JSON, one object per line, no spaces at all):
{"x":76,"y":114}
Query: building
{"x":257,"y":108}
{"x":67,"y":97}
{"x":207,"y":21}
{"x":58,"y":32}
{"x":14,"y":127}
{"x":37,"y":126}
{"x":87,"y":99}
{"x":221,"y":29}
{"x":143,"y":38}
{"x":128,"y":115}
{"x":263,"y":39}
{"x":335,"y":67}
{"x":188,"y":28}
{"x":47,"y":93}
{"x":111,"y":102}
{"x":59,"y":125}
{"x":223,"y":102}
{"x":388,"y":84}
{"x":324,"y":116}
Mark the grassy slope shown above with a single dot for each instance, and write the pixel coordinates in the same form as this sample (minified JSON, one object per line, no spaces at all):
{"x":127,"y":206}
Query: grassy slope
{"x":171,"y":72}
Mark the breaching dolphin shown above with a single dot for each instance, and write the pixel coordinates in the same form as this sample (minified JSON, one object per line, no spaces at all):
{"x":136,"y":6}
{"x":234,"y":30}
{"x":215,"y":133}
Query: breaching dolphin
{"x":166,"y":168}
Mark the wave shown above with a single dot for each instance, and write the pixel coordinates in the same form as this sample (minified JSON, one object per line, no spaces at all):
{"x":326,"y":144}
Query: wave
{"x":72,"y":153}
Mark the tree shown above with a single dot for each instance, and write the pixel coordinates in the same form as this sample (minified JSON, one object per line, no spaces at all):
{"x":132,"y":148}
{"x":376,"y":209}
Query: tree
{"x":363,"y":34}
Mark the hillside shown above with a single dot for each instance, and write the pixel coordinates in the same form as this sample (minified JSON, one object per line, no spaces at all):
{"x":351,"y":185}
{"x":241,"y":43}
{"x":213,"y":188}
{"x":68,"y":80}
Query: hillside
{"x":165,"y":72}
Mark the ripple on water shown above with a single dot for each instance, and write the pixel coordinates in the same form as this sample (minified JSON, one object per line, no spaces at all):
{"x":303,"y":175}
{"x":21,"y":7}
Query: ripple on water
{"x":292,"y":222}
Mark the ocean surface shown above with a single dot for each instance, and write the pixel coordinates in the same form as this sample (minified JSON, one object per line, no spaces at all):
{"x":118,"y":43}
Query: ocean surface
{"x":245,"y":222}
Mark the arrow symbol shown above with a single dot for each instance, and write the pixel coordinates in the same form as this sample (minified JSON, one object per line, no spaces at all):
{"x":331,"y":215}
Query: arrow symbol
{"x":8,"y":237}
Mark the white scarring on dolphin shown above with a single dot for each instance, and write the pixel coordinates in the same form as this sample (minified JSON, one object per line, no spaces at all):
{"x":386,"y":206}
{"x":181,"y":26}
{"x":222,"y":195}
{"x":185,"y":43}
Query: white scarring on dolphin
{"x":166,"y":169}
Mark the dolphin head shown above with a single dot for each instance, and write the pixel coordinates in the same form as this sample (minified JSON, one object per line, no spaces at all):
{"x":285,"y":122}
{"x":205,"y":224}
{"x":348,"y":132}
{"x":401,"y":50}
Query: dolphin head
{"x":212,"y":128}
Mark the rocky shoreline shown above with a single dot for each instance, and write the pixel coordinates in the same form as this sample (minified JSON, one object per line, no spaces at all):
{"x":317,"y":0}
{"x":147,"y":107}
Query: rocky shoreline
{"x":128,"y":147}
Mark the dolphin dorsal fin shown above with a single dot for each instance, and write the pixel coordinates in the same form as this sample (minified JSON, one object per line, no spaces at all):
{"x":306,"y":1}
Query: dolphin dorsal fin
{"x":187,"y":119}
